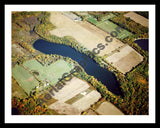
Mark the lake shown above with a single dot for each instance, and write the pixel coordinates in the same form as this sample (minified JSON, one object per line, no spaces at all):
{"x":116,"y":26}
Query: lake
{"x":91,"y":67}
{"x":143,"y":43}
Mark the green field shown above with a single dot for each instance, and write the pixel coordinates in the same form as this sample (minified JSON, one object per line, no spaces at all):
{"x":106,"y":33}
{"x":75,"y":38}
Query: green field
{"x":24,"y":78}
{"x":92,"y":20}
{"x":50,"y":73}
{"x":108,"y":26}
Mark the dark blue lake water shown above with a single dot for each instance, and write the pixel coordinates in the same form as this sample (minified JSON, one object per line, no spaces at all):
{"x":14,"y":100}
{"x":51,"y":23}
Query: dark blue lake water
{"x":143,"y":43}
{"x":91,"y":67}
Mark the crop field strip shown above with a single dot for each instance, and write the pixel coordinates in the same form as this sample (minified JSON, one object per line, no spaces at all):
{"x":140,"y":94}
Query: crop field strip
{"x":24,"y":78}
{"x":78,"y":96}
{"x":108,"y":26}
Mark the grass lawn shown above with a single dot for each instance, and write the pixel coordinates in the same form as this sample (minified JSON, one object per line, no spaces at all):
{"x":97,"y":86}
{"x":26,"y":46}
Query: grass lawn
{"x":24,"y":78}
{"x":49,"y":73}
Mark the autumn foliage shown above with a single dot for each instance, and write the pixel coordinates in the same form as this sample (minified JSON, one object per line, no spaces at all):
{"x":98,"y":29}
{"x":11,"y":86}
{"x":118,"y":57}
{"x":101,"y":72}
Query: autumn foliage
{"x":28,"y":106}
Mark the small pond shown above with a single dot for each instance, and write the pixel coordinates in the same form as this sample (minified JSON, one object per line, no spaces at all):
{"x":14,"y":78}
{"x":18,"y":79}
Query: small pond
{"x":143,"y":43}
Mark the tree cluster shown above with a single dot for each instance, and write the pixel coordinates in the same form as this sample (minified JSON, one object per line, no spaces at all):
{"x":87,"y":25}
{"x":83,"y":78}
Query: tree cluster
{"x":28,"y":47}
{"x":28,"y":106}
{"x":130,"y":25}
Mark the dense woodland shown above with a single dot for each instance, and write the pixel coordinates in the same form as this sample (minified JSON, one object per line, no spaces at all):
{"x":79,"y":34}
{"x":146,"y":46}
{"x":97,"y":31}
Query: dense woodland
{"x":134,"y":84}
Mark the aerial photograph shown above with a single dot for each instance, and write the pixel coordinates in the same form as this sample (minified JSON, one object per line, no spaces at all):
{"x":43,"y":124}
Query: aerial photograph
{"x":80,"y":63}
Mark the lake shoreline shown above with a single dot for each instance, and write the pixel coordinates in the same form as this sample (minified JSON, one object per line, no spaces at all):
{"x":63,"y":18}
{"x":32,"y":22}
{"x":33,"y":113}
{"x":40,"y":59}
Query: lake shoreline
{"x":104,"y":75}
